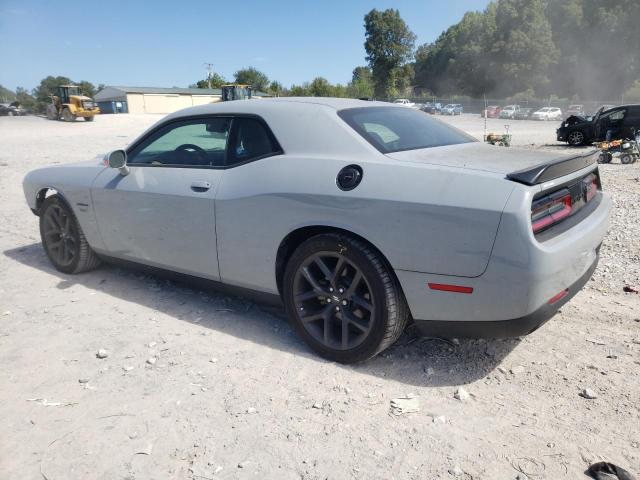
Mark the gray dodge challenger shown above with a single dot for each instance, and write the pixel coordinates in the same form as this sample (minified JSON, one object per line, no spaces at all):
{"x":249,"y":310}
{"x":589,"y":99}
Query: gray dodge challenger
{"x":361,"y":216}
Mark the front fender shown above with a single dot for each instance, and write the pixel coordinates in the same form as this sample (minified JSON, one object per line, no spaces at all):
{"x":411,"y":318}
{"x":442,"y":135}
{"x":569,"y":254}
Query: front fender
{"x":72,"y":183}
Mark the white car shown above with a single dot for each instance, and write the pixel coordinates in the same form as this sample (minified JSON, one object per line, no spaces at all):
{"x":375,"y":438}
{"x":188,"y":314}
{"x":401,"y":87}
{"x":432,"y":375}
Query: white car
{"x":404,"y":102}
{"x":509,"y":111}
{"x":547,"y":113}
{"x":358,"y":216}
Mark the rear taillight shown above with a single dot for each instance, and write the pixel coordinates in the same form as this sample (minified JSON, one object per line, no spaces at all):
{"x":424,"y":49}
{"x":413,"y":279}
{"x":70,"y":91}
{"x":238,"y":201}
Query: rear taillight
{"x":590,"y":186}
{"x":553,"y":208}
{"x":550,"y":210}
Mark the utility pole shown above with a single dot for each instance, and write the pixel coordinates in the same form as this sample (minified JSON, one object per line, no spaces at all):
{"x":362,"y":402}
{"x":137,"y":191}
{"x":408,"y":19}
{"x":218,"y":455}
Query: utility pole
{"x":209,"y":72}
{"x":484,"y":137}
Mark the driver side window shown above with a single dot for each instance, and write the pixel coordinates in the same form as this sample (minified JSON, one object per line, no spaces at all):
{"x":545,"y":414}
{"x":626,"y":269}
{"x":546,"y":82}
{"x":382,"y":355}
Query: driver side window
{"x":190,"y":143}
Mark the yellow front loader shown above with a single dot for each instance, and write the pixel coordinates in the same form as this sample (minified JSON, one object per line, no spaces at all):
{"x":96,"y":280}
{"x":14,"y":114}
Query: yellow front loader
{"x":70,"y":104}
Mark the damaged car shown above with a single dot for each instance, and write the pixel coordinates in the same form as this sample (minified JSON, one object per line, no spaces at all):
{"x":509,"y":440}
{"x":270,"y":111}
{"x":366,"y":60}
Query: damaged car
{"x":612,"y":124}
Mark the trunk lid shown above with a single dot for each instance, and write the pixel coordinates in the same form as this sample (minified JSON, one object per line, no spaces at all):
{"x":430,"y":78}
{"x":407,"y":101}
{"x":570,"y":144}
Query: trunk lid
{"x":521,"y":165}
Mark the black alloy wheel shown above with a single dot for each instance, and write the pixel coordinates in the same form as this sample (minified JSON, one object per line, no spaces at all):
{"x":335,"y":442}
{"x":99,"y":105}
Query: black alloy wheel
{"x":60,"y":236}
{"x":342,"y":298}
{"x":575,"y":138}
{"x":63,"y":239}
{"x":334,"y":300}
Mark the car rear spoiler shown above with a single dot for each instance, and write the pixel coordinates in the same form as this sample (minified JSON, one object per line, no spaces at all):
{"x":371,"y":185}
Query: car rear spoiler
{"x":548,"y":171}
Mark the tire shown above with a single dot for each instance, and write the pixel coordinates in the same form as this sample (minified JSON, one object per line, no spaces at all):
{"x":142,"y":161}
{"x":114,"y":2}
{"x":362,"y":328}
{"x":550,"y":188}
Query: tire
{"x":575,"y":138}
{"x":371,"y":310}
{"x":67,"y":116}
{"x":605,"y":157}
{"x":63,"y":239}
{"x":88,"y":119}
{"x":626,"y":159}
{"x":52,"y":113}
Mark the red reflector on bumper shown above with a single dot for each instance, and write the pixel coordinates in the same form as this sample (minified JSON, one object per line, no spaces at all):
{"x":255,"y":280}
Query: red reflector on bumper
{"x":450,"y":288}
{"x":558,"y":296}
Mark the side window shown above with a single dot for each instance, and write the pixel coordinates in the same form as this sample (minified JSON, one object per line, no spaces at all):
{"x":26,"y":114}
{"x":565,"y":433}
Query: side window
{"x":191,"y":143}
{"x":617,"y":115}
{"x":251,"y":140}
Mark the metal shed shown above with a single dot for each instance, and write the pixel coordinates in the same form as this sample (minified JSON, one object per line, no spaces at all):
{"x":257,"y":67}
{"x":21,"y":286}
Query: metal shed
{"x":118,"y":99}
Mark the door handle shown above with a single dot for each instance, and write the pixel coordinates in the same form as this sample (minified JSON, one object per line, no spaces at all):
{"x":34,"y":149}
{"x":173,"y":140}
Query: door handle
{"x":200,"y":186}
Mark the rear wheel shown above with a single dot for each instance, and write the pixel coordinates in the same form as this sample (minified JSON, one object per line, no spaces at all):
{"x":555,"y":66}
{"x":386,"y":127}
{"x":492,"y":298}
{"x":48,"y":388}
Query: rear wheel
{"x":343,"y":299}
{"x":67,"y":116}
{"x":62,"y":238}
{"x":575,"y":138}
{"x":88,"y":119}
{"x":626,"y":158}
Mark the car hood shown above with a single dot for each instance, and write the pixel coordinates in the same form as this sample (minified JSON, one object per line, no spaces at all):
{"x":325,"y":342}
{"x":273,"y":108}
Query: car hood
{"x":97,"y":161}
{"x":576,"y":119}
{"x":478,"y":156}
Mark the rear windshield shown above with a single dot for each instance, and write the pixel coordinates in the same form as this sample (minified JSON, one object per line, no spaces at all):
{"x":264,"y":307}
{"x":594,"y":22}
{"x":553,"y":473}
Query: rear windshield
{"x":393,"y":129}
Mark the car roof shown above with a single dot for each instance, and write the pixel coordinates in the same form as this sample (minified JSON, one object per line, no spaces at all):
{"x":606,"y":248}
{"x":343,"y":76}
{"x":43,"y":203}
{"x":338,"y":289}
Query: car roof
{"x":291,"y":119}
{"x":277,"y":104}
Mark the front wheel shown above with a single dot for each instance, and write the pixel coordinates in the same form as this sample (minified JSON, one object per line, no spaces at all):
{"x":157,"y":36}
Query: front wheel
{"x":575,"y":138}
{"x":342,"y":298}
{"x":62,"y":238}
{"x":67,"y":116}
{"x":605,"y":157}
{"x":88,"y":119}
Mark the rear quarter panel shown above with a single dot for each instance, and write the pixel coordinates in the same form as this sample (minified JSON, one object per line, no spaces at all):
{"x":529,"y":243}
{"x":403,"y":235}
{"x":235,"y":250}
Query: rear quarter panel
{"x":421,"y":217}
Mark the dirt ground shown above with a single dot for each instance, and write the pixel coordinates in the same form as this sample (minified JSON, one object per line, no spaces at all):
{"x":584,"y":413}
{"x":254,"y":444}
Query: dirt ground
{"x":234,"y":394}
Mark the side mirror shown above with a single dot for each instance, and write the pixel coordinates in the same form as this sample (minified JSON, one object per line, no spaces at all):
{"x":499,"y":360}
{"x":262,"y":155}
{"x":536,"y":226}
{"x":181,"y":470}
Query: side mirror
{"x":118,"y":159}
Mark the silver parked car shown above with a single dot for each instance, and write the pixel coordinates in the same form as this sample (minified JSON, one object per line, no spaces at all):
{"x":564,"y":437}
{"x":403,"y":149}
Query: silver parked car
{"x":361,"y":216}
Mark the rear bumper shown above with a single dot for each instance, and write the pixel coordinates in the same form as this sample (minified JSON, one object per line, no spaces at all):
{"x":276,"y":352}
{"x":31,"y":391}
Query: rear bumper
{"x":516,"y":327}
{"x":522,"y":275}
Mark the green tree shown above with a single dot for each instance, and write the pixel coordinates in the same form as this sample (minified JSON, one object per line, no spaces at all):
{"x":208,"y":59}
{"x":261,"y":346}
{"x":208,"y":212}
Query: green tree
{"x":252,"y":76}
{"x":299,"y":90}
{"x":25,"y":99}
{"x":389,"y":45}
{"x":214,"y":81}
{"x":361,"y":85}
{"x":6,"y":95}
{"x":276,"y":88}
{"x":87,"y":88}
{"x":523,"y":50}
{"x":403,"y":77}
{"x":320,"y":87}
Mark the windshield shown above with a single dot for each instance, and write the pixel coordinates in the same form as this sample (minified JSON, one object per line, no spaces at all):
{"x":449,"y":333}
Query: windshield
{"x":393,"y":129}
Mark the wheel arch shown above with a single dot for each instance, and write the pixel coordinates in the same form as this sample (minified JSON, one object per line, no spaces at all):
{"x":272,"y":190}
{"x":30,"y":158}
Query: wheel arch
{"x":296,"y":237}
{"x":45,"y":192}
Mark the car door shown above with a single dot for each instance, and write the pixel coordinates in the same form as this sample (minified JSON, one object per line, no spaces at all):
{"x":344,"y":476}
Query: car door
{"x":611,"y":120}
{"x":245,"y":250}
{"x":162,"y":213}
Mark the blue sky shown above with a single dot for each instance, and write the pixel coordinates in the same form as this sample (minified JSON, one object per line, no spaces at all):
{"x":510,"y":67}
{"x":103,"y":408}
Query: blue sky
{"x":165,"y":43}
